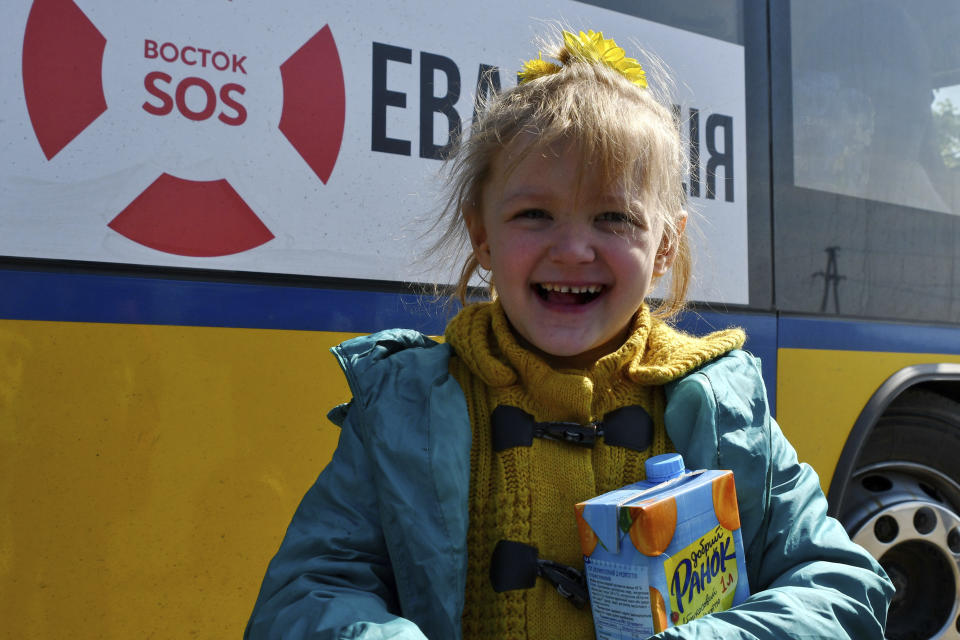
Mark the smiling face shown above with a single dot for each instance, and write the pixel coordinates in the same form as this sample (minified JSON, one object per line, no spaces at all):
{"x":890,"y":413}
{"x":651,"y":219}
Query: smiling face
{"x":570,"y":259}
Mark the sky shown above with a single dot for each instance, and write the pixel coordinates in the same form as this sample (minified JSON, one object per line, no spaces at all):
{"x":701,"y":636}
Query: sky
{"x":952,"y":93}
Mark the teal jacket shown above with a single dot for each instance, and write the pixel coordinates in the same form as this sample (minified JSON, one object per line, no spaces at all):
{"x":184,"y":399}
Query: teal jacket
{"x":377,"y":547}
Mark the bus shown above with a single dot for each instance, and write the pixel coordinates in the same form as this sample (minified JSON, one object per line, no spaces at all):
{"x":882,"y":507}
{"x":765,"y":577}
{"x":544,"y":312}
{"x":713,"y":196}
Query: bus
{"x":198,"y":200}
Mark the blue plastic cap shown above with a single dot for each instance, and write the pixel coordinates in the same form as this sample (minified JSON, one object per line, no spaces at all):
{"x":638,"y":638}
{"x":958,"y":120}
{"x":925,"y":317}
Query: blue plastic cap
{"x":664,"y":467}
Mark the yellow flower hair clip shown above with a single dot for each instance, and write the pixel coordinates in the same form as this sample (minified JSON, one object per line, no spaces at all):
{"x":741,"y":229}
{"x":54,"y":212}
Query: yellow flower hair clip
{"x":587,"y":47}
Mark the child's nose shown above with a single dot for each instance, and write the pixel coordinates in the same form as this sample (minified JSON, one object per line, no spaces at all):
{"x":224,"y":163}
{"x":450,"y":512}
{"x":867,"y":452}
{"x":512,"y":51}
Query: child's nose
{"x":572,"y":245}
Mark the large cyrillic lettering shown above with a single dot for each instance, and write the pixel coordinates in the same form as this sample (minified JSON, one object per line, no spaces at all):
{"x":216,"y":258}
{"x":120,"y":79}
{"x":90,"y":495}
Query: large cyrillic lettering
{"x":383,"y":98}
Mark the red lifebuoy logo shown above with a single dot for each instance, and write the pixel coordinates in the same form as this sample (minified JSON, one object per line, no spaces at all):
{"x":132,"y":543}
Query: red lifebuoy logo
{"x":63,"y":67}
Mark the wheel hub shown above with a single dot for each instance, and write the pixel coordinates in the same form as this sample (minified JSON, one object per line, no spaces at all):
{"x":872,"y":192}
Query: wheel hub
{"x":902,"y":515}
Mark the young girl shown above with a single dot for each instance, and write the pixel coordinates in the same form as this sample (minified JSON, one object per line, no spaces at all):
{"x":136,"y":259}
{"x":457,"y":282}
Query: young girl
{"x":569,"y":190}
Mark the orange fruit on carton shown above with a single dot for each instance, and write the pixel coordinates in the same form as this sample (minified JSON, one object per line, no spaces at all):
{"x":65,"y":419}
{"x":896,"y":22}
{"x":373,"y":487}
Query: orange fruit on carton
{"x":725,"y":502}
{"x":659,"y":609}
{"x":588,"y":539}
{"x":654,"y":523}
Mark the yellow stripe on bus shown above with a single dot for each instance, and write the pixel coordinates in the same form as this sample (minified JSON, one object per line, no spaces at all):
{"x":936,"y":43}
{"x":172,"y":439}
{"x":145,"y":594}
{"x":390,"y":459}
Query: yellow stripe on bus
{"x":820,"y":394}
{"x":147,"y":473}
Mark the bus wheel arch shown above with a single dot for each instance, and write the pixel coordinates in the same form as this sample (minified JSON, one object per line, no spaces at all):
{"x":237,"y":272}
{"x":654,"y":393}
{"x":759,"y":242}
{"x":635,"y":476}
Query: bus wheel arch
{"x":896,"y":489}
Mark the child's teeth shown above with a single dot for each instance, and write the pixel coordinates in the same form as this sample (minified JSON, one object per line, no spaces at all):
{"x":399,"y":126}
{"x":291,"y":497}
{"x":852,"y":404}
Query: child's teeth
{"x":559,"y":288}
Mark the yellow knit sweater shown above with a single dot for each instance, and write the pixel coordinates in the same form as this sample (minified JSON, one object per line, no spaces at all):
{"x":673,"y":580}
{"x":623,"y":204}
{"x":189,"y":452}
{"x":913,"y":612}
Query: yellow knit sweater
{"x":527,"y":494}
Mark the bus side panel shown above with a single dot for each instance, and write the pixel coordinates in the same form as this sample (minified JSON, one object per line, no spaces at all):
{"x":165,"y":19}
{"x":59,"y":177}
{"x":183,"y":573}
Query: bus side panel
{"x":828,"y":368}
{"x":147,"y":471}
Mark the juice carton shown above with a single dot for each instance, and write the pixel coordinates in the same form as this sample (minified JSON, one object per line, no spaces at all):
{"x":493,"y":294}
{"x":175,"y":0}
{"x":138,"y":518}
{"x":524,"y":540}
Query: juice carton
{"x":662,"y":552}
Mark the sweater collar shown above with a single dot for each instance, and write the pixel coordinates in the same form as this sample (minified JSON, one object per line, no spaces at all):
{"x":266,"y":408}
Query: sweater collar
{"x":654,"y":352}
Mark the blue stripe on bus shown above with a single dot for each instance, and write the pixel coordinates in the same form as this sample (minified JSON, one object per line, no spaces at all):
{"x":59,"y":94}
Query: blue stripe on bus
{"x":74,"y":297}
{"x":858,"y":335}
{"x":77,"y":297}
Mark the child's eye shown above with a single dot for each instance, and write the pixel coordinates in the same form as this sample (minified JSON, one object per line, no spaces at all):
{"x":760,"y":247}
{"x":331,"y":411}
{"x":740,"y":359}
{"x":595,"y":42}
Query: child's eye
{"x":617,"y":217}
{"x":532,"y":214}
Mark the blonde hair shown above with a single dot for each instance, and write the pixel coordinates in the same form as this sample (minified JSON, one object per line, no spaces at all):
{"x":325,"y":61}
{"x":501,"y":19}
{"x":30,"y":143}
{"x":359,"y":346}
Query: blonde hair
{"x":628,"y":134}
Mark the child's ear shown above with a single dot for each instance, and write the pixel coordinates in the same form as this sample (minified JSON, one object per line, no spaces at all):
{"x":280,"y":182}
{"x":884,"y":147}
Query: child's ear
{"x":668,"y":248}
{"x":478,"y":234}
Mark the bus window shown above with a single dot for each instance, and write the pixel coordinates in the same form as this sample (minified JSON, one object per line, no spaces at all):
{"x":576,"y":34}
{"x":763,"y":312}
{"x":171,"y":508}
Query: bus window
{"x":864,"y":75}
{"x":946,"y":131}
{"x":721,"y":19}
{"x":867,"y":159}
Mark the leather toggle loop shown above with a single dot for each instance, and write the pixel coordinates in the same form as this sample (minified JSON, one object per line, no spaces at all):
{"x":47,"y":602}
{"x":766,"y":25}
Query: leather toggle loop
{"x":516,"y":565}
{"x":630,"y":427}
{"x":570,"y":432}
{"x":569,"y":582}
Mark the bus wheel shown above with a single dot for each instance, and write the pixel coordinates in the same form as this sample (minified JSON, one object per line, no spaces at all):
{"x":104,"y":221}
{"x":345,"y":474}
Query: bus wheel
{"x":902,"y":505}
